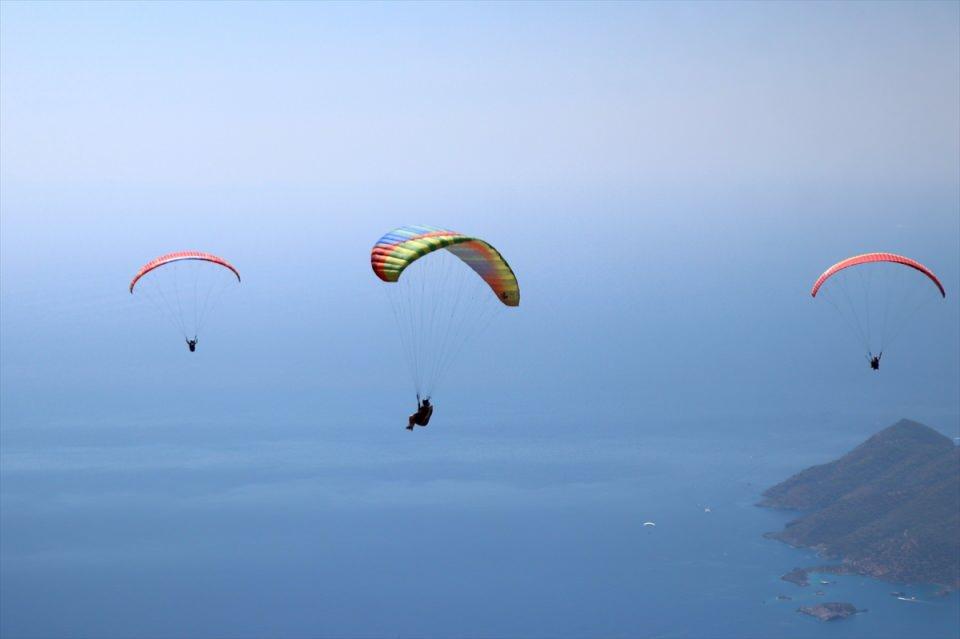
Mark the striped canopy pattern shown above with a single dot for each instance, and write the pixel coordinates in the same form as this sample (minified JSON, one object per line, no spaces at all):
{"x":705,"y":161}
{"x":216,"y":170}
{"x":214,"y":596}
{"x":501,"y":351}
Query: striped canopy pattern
{"x":178,"y":256}
{"x":399,"y":248}
{"x":868,"y":258}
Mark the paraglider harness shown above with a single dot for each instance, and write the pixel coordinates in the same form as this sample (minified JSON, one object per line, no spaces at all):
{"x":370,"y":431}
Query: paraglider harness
{"x":423,"y":414}
{"x":192,"y":343}
{"x":875,"y":361}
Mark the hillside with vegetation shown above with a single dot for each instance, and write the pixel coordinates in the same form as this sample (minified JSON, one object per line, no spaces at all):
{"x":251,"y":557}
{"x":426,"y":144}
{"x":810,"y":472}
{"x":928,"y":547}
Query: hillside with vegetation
{"x":890,"y":508}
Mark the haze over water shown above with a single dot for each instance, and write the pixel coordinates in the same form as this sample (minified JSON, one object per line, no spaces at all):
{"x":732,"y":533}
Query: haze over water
{"x":666,"y":180}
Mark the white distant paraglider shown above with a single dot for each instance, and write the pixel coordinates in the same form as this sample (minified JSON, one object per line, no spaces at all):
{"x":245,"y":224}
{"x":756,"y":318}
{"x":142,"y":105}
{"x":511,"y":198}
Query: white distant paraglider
{"x":649,"y":524}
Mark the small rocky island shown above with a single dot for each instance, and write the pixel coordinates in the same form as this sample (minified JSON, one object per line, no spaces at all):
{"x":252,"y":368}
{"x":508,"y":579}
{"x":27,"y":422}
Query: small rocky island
{"x":887,"y":509}
{"x":829,"y":611}
{"x":797,"y":576}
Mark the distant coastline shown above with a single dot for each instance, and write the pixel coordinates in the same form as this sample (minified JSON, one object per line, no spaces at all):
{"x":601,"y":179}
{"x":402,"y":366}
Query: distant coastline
{"x":887,"y":509}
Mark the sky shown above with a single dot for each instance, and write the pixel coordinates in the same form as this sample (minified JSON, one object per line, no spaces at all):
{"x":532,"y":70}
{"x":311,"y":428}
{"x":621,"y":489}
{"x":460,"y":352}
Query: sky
{"x":666,"y":179}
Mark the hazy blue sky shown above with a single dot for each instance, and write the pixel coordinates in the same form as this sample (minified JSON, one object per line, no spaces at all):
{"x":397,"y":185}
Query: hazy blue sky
{"x":667,"y":180}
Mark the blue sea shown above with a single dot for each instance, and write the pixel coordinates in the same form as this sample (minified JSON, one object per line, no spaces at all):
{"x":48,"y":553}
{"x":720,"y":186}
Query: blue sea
{"x":251,"y":492}
{"x":266,"y":487}
{"x":279,"y":527}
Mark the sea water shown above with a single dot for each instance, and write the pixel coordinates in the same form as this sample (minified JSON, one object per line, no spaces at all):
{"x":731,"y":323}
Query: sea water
{"x":464,"y":529}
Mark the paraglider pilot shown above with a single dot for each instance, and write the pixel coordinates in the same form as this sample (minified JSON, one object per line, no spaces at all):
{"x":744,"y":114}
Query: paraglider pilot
{"x":875,"y":361}
{"x":423,"y":414}
{"x":192,"y":343}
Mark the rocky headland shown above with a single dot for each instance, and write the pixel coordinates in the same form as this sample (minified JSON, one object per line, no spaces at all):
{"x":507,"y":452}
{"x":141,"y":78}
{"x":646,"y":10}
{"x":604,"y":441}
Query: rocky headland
{"x":888,"y":509}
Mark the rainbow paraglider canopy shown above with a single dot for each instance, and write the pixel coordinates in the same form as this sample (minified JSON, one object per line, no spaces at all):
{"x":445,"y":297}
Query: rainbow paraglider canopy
{"x":399,"y":248}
